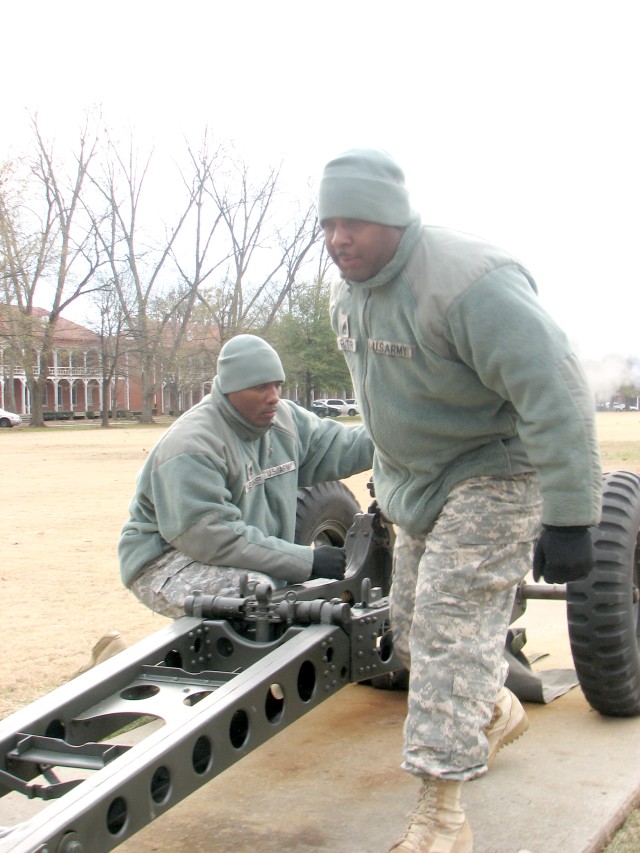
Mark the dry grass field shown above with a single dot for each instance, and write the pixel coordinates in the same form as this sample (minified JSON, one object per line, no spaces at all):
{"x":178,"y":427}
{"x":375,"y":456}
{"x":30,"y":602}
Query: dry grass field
{"x":64,"y":494}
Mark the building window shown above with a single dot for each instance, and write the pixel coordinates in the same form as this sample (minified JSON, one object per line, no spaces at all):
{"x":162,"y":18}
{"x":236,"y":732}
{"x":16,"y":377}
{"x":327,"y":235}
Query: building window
{"x":62,"y":395}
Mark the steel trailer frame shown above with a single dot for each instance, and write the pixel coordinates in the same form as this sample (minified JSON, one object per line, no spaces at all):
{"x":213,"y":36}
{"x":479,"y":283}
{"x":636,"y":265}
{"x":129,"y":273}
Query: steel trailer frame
{"x":121,"y":744}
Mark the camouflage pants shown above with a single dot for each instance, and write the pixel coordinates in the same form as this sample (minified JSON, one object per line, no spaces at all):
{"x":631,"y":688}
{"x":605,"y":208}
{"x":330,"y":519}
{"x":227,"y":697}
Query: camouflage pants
{"x":165,"y":583}
{"x":451,"y":601}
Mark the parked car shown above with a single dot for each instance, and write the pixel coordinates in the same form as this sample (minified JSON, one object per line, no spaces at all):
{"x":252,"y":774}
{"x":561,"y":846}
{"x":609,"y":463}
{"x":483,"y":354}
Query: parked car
{"x":340,"y":407}
{"x":9,"y":419}
{"x":320,"y":409}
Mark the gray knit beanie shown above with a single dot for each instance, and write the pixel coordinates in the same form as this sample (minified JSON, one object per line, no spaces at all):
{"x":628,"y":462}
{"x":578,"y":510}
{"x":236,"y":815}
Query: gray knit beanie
{"x":245,"y":361}
{"x":366,"y":184}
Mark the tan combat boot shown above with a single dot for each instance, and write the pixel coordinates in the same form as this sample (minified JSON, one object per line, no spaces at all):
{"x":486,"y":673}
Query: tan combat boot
{"x":437,"y":824}
{"x":508,"y":722}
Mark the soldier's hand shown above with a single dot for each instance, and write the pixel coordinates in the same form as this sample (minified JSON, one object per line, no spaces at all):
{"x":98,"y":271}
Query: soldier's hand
{"x":328,"y":562}
{"x":563,"y":554}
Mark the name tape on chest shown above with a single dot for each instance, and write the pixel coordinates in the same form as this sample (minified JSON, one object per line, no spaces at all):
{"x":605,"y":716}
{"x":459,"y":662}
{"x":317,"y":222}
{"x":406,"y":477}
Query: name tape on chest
{"x":347,"y":344}
{"x":392,"y":348}
{"x":268,"y":473}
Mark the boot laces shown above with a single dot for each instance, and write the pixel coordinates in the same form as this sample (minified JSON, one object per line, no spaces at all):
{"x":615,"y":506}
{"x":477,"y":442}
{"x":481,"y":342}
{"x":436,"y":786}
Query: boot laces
{"x":424,"y":814}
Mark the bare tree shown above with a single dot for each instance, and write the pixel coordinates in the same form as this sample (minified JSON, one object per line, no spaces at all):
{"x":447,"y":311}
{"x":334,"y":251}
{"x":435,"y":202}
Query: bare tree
{"x":11,"y":260}
{"x":192,"y":344}
{"x":142,"y":266}
{"x":228,"y":223}
{"x":188,"y":368}
{"x":113,"y":342}
{"x":266,"y":257}
{"x":227,"y":262}
{"x":50,"y":252}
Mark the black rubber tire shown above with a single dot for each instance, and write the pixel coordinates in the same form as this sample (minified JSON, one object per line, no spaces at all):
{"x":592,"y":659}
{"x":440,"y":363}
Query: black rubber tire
{"x":603,"y":610}
{"x":324,"y":514}
{"x":5,"y":423}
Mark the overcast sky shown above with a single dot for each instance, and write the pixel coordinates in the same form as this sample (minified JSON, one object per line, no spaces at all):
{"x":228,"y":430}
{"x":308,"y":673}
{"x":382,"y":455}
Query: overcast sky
{"x":516,"y":121}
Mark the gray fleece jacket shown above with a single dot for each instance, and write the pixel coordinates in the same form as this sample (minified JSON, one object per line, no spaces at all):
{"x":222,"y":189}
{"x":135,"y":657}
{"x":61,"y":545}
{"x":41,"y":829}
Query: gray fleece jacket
{"x":224,"y":492}
{"x":461,"y":373}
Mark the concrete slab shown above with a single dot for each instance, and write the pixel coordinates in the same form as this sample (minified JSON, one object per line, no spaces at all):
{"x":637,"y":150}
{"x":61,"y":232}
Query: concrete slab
{"x":331,"y":782}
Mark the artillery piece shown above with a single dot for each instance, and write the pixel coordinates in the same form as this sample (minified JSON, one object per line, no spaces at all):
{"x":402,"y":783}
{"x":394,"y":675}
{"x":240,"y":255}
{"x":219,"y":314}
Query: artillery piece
{"x":121,"y":744}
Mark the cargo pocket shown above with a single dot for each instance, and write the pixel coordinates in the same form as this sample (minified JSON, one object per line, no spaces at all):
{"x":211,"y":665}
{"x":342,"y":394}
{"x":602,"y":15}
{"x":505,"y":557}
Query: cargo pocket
{"x":473,"y":702}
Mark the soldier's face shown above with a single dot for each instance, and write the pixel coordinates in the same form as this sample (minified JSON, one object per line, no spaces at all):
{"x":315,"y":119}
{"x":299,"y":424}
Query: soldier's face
{"x":360,"y":249}
{"x":257,"y":404}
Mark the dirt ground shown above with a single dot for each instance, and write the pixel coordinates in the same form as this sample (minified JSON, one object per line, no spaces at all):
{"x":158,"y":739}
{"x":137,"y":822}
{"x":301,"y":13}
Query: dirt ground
{"x":64,"y":494}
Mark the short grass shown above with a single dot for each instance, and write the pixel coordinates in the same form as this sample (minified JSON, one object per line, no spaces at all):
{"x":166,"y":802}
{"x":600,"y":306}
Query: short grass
{"x":627,"y":838}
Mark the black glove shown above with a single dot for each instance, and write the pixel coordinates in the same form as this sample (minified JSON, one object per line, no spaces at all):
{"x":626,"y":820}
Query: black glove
{"x":328,"y":562}
{"x":563,"y":554}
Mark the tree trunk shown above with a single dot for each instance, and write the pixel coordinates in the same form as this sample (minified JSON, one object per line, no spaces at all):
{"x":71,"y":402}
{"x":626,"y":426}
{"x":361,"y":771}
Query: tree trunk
{"x":148,"y":388}
{"x":36,"y":387}
{"x":106,"y":402}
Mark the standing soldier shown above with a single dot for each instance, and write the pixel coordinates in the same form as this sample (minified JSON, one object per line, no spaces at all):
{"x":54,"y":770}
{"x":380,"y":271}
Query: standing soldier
{"x":483,"y":426}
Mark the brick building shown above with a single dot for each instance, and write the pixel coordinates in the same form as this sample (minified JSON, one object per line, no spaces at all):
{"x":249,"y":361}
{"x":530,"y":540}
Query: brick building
{"x":74,"y":374}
